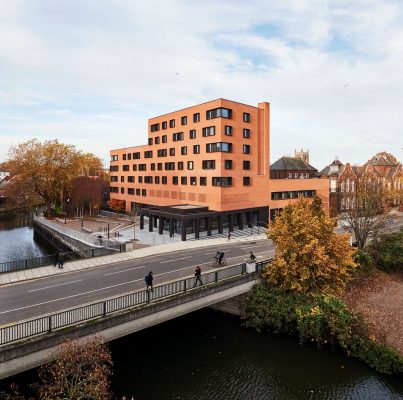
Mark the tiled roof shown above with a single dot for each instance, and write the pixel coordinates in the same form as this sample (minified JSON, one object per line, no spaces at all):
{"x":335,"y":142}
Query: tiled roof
{"x":326,"y":170}
{"x":291,"y":163}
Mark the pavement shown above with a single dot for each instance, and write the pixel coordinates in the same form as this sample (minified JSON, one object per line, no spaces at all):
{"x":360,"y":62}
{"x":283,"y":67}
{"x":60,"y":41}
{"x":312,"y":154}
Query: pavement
{"x":87,"y":263}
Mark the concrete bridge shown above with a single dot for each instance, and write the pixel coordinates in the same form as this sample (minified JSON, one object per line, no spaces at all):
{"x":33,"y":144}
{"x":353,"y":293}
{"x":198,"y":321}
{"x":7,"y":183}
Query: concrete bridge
{"x":28,"y":344}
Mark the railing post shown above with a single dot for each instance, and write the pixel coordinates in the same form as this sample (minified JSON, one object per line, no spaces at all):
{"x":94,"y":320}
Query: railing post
{"x":243,"y":269}
{"x":92,"y":252}
{"x":257,"y":267}
{"x":104,"y":308}
{"x":50,"y":323}
{"x":184,"y":285}
{"x":26,"y":263}
{"x":216,"y":276}
{"x":148,"y":296}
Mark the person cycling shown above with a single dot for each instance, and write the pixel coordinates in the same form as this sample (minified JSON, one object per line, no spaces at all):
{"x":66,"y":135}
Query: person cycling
{"x":218,"y":258}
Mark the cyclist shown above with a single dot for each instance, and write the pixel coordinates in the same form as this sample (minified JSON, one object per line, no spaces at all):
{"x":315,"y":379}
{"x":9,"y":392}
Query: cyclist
{"x":220,"y":257}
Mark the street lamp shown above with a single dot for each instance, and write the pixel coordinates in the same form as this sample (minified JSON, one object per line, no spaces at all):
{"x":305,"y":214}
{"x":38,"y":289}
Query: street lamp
{"x":65,"y":209}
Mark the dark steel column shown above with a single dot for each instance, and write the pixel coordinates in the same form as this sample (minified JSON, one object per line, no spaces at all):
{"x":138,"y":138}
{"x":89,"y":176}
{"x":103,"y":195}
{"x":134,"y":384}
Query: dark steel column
{"x":150,"y":223}
{"x":208,"y":226}
{"x":230,"y":222}
{"x":219,"y":220}
{"x":248,"y":219}
{"x":155,"y":221}
{"x":197,"y":228}
{"x":160,"y":225}
{"x":240,"y":221}
{"x":183,"y":230}
{"x":171,"y":227}
{"x":141,"y":221}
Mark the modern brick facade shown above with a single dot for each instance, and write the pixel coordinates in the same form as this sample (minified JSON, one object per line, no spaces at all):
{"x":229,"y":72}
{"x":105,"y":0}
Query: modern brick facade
{"x":204,"y":167}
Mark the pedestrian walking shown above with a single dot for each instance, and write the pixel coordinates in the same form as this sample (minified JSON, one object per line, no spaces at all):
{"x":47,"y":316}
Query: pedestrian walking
{"x":61,"y":259}
{"x":58,"y":251}
{"x":198,"y":276}
{"x":229,"y":237}
{"x":149,"y":281}
{"x":252,"y":256}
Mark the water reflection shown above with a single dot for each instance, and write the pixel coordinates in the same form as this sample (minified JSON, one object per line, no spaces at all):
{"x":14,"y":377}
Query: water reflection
{"x":207,"y":355}
{"x":17,"y":240}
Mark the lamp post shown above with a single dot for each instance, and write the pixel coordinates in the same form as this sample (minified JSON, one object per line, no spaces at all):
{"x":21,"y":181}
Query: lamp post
{"x":65,"y":209}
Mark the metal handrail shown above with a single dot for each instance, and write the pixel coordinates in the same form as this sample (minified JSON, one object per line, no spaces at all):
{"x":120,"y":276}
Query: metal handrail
{"x":49,"y":322}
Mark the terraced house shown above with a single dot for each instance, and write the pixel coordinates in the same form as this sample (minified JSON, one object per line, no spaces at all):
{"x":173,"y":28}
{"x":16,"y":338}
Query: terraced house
{"x":205,"y":167}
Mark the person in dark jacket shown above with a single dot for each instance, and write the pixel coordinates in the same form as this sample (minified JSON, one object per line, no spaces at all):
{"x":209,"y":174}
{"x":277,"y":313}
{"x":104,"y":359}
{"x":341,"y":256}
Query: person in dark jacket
{"x":149,"y":281}
{"x":58,"y":251}
{"x":198,"y":276}
{"x":61,"y":259}
{"x":252,"y":256}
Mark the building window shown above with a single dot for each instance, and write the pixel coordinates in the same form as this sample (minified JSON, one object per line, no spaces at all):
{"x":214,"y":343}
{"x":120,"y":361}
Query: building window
{"x":184,"y":180}
{"x":164,"y":180}
{"x":184,"y":150}
{"x":130,"y":191}
{"x":150,"y":141}
{"x":114,"y":158}
{"x":172,"y":151}
{"x":113,"y":189}
{"x":203,"y":181}
{"x":157,"y":140}
{"x":129,"y":156}
{"x":130,"y":179}
{"x":122,"y":179}
{"x":134,"y":167}
{"x":292,"y":194}
{"x":209,"y":131}
{"x":228,"y":164}
{"x":152,"y":166}
{"x":143,"y":192}
{"x":228,"y":130}
{"x":148,"y":179}
{"x":219,"y":147}
{"x":140,"y":179}
{"x":196,"y":149}
{"x":169,"y":166}
{"x":162,"y":153}
{"x":155,"y":127}
{"x":246,"y":117}
{"x":164,"y":125}
{"x":177,"y":136}
{"x":114,"y":178}
{"x":137,"y":192}
{"x":180,"y":165}
{"x":193,"y":180}
{"x":208,"y":164}
{"x":164,"y":138}
{"x":142,"y":167}
{"x":192,"y":134}
{"x":148,"y":154}
{"x":184,"y":120}
{"x":136,"y":156}
{"x":157,"y":180}
{"x":196,"y":117}
{"x":126,"y":167}
{"x":122,"y":190}
{"x":114,"y":168}
{"x":124,"y":157}
{"x":246,"y":180}
{"x":172,"y":123}
{"x":246,"y":164}
{"x":190,"y":165}
{"x":222,"y":181}
{"x":174,"y":180}
{"x":159,"y":166}
{"x":246,"y":149}
{"x":219,"y":112}
{"x":246,"y":133}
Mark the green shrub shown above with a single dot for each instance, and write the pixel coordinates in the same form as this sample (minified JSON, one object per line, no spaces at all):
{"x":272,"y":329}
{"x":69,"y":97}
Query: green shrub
{"x":320,"y":319}
{"x":387,"y":251}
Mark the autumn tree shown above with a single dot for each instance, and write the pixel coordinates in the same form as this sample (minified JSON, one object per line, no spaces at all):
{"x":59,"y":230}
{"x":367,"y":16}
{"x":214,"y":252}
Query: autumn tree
{"x":48,"y":169}
{"x":366,"y":209}
{"x":310,"y":257}
{"x":80,"y":370}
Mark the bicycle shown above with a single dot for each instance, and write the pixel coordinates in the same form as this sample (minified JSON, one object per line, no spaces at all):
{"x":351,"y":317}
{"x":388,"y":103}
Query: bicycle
{"x":217,"y":263}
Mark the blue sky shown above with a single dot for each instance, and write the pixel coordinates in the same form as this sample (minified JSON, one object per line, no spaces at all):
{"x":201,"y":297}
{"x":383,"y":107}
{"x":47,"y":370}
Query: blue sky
{"x":91,"y":73}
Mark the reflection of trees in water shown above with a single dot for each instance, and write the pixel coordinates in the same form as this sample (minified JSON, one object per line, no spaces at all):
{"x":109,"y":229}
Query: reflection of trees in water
{"x":17,"y":220}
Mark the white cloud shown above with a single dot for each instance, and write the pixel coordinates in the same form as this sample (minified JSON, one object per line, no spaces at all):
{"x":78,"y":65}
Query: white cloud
{"x":92,"y":75}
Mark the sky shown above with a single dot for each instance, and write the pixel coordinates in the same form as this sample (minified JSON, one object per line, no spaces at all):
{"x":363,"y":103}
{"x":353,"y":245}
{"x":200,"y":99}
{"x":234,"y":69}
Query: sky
{"x":91,"y":73}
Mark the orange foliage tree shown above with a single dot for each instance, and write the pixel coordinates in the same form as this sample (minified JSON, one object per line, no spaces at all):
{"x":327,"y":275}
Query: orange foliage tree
{"x":310,"y":257}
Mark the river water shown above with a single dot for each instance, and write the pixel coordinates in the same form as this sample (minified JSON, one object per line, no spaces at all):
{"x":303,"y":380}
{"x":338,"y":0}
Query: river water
{"x":208,"y":355}
{"x":17,"y":240}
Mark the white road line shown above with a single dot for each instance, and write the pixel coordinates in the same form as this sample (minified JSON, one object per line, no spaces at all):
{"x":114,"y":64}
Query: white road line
{"x":176,"y":259}
{"x":124,"y":270}
{"x":49,"y":287}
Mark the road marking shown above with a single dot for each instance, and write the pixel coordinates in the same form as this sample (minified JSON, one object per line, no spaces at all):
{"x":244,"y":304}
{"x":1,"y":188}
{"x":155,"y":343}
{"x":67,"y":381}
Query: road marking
{"x":49,"y":287}
{"x":176,"y":259}
{"x":124,"y":270}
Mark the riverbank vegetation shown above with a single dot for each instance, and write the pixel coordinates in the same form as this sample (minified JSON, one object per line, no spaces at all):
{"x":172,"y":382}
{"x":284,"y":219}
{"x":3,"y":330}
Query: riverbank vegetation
{"x":303,"y":288}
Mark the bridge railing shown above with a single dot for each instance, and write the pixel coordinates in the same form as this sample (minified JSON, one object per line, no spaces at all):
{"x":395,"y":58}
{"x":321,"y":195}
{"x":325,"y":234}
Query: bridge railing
{"x":72,"y":316}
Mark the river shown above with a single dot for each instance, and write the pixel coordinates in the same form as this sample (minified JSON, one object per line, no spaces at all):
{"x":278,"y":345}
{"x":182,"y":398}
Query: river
{"x":17,"y":240}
